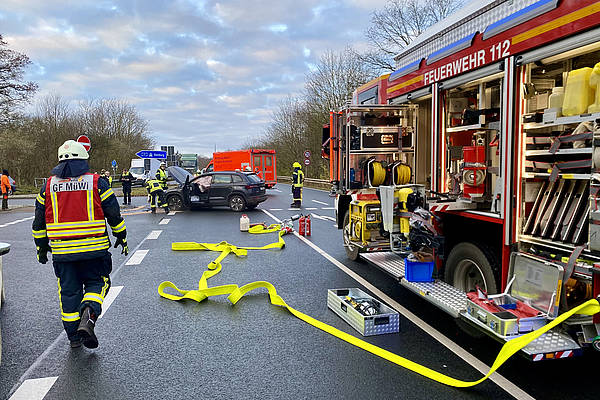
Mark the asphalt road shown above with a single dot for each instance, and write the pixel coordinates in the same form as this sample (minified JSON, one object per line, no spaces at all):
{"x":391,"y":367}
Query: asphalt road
{"x":151,"y":347}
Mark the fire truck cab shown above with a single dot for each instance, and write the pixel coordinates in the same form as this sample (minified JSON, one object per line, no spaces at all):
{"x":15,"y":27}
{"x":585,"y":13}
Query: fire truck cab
{"x":495,"y":114}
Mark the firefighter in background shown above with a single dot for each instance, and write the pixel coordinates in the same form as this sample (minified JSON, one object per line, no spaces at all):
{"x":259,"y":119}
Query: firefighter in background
{"x":108,"y":178}
{"x":126,"y":180}
{"x":70,"y":213}
{"x":297,"y":183}
{"x":162,"y":175}
{"x":157,"y":195}
{"x":5,"y":188}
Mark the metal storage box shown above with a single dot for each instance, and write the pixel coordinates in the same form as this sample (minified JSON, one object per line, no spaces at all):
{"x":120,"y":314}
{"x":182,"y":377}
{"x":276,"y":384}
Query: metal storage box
{"x":535,"y":282}
{"x":385,"y":321}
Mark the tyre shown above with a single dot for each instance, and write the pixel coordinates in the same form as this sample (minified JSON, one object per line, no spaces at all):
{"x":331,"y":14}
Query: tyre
{"x":237,"y":203}
{"x":470,"y":265}
{"x":351,"y":250}
{"x":175,"y":202}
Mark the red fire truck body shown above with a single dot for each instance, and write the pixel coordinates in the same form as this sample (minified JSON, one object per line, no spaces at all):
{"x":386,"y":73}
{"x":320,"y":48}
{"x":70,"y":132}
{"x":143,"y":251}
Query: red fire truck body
{"x":508,"y":173}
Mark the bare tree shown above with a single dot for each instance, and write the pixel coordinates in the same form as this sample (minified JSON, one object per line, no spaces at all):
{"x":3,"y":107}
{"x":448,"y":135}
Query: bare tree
{"x":397,"y":24}
{"x":13,"y":91}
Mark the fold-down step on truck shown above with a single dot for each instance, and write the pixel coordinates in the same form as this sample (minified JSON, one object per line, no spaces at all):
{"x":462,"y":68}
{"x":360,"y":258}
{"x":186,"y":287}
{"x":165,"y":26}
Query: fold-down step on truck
{"x":551,"y":345}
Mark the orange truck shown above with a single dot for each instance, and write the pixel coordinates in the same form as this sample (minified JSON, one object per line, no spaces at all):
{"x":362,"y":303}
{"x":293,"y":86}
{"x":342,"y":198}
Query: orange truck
{"x":260,"y":161}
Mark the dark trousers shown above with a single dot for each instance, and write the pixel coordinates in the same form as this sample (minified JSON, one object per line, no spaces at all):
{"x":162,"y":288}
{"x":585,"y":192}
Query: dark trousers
{"x":157,"y":196}
{"x":81,"y":284}
{"x":126,"y":195}
{"x":5,"y":201}
{"x":297,"y":195}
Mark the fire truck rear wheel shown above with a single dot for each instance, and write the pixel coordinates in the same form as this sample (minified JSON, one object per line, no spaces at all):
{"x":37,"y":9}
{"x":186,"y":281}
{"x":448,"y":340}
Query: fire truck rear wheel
{"x":470,"y":265}
{"x":351,"y":250}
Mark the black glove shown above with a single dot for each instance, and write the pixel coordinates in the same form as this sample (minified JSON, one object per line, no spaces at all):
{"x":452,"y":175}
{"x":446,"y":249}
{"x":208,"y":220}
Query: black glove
{"x":42,"y":254}
{"x":122,"y":241}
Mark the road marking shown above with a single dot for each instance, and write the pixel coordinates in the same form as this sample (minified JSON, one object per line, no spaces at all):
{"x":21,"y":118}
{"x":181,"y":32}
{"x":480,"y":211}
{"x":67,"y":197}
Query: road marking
{"x":323,"y":217}
{"x":311,"y":208}
{"x":172,"y":213}
{"x":498,"y":379}
{"x":277,"y":190}
{"x":293,"y":209}
{"x":275,"y":209}
{"x":110,"y":297}
{"x":33,"y":389}
{"x":327,"y":208}
{"x":321,"y":202}
{"x":137,"y":257}
{"x":164,"y":221}
{"x":153,"y":235}
{"x":15,"y":222}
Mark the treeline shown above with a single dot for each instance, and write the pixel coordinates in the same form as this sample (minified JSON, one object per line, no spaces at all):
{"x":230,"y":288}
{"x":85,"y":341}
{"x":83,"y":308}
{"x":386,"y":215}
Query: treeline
{"x":29,"y":143}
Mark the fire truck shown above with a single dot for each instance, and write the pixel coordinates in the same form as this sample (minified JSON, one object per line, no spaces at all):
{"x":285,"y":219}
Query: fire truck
{"x":490,"y":123}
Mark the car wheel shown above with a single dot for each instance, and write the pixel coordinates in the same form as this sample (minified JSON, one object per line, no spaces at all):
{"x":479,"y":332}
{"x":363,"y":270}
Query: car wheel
{"x":175,"y":202}
{"x":470,"y":265}
{"x":237,"y":203}
{"x":351,"y":250}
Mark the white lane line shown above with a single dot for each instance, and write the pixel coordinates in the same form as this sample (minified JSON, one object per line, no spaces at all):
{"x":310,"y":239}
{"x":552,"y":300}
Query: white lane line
{"x":323,"y":217}
{"x":110,"y":297}
{"x":311,"y":208}
{"x":164,"y":221}
{"x":33,"y":389}
{"x":15,"y":222}
{"x":293,"y":209}
{"x":498,"y":379}
{"x":321,"y":202}
{"x":153,"y":235}
{"x":327,"y":208}
{"x":275,"y":209}
{"x":172,"y":213}
{"x":277,"y":190}
{"x":137,"y":257}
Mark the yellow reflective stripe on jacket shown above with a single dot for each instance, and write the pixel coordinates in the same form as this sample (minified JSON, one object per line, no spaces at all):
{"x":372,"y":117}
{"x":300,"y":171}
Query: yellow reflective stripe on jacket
{"x":119,"y":228}
{"x":97,"y":297}
{"x":38,"y":234}
{"x":70,"y":317}
{"x":54,"y":202}
{"x":80,"y":242}
{"x":106,"y":194}
{"x":80,"y":224}
{"x":90,"y":204}
{"x":75,"y":232}
{"x":79,"y":249}
{"x":40,"y":199}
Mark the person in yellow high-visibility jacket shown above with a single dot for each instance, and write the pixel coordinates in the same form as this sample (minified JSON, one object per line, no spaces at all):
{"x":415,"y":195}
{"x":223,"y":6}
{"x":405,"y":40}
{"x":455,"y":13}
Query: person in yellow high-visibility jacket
{"x":297,"y":183}
{"x":162,"y":175}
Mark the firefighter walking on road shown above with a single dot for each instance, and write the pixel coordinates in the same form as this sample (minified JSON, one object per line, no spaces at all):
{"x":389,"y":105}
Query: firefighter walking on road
{"x":297,"y":183}
{"x":162,"y":175}
{"x":157,"y":195}
{"x":70,"y":214}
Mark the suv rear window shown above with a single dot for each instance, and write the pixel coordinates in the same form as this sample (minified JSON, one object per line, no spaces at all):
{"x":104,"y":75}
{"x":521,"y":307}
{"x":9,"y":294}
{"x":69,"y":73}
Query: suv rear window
{"x":237,"y":179}
{"x":221,"y":178}
{"x":253,"y":178}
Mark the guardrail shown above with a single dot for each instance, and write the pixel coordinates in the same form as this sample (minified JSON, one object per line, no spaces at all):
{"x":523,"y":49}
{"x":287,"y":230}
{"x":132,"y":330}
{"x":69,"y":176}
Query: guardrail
{"x":308,"y":182}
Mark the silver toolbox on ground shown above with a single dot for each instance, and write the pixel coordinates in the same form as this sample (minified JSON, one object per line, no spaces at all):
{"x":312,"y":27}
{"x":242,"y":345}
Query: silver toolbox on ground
{"x":535,"y":282}
{"x":386,"y":320}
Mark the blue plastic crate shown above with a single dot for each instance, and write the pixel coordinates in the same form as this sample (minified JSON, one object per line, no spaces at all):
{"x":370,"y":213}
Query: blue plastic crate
{"x":415,"y":271}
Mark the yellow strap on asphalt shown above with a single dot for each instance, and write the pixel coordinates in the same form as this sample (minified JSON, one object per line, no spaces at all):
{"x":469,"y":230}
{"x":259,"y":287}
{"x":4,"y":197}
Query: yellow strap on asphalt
{"x":236,"y":292}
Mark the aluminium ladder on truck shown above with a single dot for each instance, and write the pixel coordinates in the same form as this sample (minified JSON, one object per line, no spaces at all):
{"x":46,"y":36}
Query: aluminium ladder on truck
{"x":553,"y":344}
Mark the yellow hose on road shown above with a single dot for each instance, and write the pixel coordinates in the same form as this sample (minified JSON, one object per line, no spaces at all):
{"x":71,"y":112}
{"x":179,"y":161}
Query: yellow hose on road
{"x":235,"y":293}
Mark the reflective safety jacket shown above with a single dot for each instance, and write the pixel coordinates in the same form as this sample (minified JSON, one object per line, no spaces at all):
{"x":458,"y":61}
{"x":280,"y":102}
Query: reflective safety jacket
{"x":153,"y":185}
{"x":297,"y":178}
{"x":162,"y":177}
{"x":70,"y":217}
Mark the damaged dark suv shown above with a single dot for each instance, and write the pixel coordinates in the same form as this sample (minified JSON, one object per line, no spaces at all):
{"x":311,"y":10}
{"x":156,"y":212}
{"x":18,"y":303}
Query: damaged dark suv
{"x":235,"y":189}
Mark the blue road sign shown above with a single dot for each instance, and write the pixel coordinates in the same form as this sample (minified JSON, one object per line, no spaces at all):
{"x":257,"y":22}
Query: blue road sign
{"x":151,"y":154}
{"x":114,"y":163}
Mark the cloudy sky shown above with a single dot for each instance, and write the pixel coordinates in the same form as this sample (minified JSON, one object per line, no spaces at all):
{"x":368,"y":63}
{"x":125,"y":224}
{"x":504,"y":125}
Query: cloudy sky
{"x":203,"y":73}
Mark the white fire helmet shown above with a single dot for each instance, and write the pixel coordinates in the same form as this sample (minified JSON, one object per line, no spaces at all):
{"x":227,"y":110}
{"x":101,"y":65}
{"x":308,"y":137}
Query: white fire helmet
{"x":72,"y":150}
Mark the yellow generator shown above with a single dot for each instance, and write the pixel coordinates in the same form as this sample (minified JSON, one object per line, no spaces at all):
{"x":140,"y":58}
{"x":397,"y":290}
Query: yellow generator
{"x":365,"y":223}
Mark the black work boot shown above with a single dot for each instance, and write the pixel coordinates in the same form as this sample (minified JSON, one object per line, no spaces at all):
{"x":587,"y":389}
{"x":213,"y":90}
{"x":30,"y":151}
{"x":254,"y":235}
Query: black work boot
{"x":86,"y":328}
{"x":166,"y":210}
{"x":154,"y":211}
{"x":76,"y":343}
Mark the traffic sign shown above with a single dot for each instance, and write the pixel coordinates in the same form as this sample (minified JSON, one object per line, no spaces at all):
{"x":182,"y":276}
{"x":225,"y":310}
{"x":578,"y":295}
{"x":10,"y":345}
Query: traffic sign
{"x":306,"y":154}
{"x":114,"y":163}
{"x":151,"y":154}
{"x":307,"y":161}
{"x":85,"y":141}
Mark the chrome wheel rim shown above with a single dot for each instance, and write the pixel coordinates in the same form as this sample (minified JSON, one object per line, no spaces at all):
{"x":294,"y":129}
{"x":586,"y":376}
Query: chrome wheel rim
{"x":237,"y":203}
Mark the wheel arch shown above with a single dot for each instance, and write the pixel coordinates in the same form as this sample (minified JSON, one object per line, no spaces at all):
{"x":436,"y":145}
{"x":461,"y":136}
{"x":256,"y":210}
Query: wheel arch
{"x":343,"y":204}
